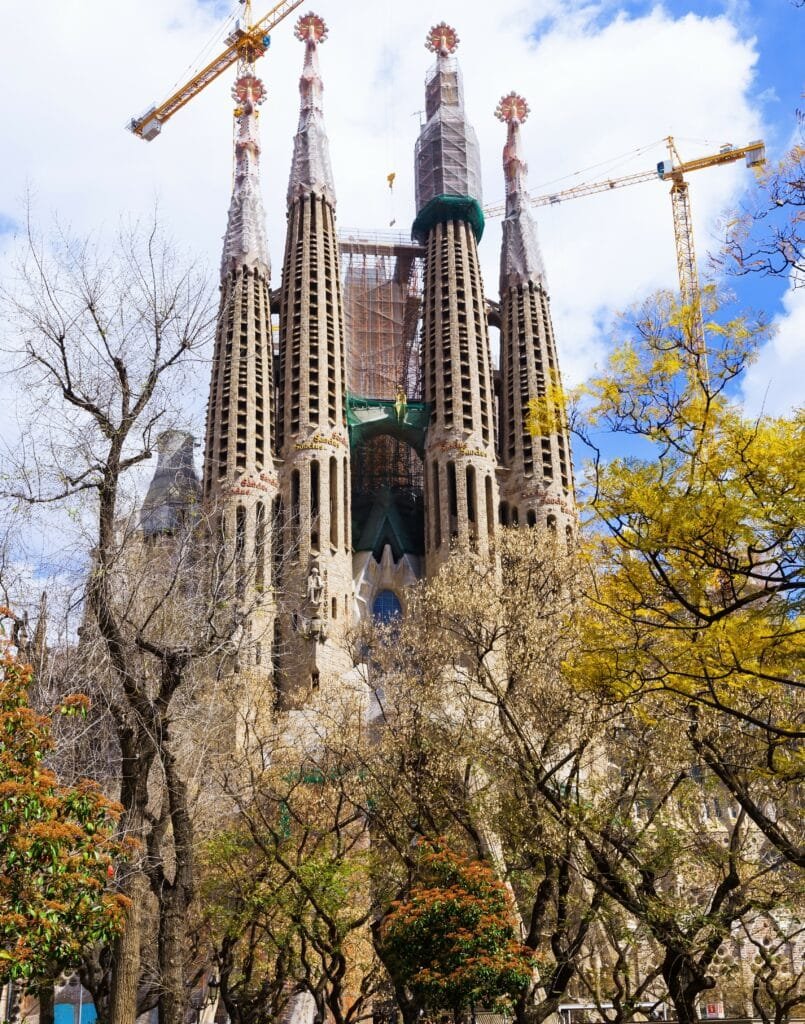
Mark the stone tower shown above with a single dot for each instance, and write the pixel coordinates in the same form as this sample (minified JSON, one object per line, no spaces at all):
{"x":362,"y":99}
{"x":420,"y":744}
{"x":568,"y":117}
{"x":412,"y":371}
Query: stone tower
{"x":311,"y":430}
{"x":459,"y":463}
{"x":239,"y":486}
{"x":538,"y":472}
{"x":172,"y":500}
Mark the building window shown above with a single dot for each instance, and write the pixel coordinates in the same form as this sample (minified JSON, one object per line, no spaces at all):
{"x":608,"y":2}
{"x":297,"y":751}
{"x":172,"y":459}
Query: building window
{"x":240,"y":551}
{"x":386,"y":607}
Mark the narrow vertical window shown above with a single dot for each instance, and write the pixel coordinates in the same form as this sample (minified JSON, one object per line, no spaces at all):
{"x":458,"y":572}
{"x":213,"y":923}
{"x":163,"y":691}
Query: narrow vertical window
{"x":294,"y":510}
{"x":437,"y":508}
{"x":452,"y":498}
{"x":260,"y":545}
{"x":314,"y":489}
{"x":471,"y":505}
{"x":333,"y":502}
{"x":490,"y":510}
{"x":347,"y":517}
{"x":276,"y":541}
{"x":240,"y":550}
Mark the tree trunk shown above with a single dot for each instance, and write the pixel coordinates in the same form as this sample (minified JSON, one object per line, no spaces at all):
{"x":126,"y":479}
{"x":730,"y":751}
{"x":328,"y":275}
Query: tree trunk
{"x":172,"y":932}
{"x":126,"y":960}
{"x":47,"y":1002}
{"x":175,"y":898}
{"x":684,"y":984}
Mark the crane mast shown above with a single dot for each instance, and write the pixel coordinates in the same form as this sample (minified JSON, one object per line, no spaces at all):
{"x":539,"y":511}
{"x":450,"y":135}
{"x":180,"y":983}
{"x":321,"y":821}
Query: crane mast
{"x":244,"y":45}
{"x":674,"y":170}
{"x":687,"y":269}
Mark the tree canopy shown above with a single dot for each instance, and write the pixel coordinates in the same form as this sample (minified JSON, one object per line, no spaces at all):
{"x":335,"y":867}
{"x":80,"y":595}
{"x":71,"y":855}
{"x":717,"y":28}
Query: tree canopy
{"x":58,"y":844}
{"x":451,"y":941}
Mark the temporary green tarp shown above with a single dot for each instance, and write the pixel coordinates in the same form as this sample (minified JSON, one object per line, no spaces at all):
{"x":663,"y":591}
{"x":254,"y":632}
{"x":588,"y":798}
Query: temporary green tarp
{"x":444,"y":208}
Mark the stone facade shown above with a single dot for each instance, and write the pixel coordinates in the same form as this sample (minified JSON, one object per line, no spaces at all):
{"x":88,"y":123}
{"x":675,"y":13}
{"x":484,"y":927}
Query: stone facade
{"x":437,"y":463}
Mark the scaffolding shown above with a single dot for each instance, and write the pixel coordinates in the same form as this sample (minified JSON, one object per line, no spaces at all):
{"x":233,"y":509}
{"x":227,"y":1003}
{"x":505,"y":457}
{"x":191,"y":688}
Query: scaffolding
{"x":382,"y":284}
{"x":382,"y":289}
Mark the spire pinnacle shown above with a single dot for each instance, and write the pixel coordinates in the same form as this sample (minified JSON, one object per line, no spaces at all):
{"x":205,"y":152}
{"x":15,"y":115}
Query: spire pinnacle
{"x":521,"y":259}
{"x":310,"y":169}
{"x":245,"y":240}
{"x":310,"y":28}
{"x":513,"y":110}
{"x":442,"y":39}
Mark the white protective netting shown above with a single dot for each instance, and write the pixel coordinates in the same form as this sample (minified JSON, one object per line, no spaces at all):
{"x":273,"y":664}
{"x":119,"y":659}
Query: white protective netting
{"x":448,"y":160}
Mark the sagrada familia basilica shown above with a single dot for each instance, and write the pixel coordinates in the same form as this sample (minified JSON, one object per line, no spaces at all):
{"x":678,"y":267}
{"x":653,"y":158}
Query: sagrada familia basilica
{"x":349,"y":458}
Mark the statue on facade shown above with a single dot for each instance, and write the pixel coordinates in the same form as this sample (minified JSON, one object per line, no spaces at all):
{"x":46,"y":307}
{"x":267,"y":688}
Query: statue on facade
{"x":315,"y":586}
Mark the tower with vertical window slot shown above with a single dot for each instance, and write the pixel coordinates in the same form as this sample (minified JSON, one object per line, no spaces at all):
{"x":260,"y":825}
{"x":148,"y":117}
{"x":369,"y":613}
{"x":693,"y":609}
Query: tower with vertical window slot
{"x":386,"y":440}
{"x":312,"y":439}
{"x":459,"y":465}
{"x":239,"y":488}
{"x":537,"y":484}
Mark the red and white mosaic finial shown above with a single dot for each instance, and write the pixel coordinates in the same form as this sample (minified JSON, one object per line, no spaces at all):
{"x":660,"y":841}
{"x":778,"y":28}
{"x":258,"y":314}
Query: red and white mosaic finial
{"x":512,"y":109}
{"x":248,"y":90}
{"x":311,"y":28}
{"x":442,"y":39}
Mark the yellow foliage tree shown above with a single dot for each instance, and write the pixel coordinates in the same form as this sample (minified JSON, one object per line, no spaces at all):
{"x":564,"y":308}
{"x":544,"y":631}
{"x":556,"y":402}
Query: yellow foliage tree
{"x":697,"y":557}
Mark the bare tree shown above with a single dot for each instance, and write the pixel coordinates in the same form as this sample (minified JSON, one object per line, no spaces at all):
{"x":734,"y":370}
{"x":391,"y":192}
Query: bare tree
{"x":103,"y":344}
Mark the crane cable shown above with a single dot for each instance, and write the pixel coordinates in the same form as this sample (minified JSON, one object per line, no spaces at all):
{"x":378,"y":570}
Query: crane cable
{"x":612,"y":162}
{"x":220,"y":31}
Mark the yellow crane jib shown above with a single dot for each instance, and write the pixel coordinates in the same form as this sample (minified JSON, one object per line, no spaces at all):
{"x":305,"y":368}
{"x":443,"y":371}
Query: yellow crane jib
{"x":672,"y":170}
{"x":244,"y":42}
{"x":668,"y":170}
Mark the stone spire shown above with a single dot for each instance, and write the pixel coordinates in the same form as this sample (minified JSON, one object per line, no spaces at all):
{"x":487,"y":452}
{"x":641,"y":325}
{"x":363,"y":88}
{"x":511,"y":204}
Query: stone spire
{"x":520,"y":258}
{"x":459,"y":463}
{"x":310,"y":168}
{"x":173,"y":495}
{"x":539,"y":479}
{"x":245,"y":242}
{"x":311,"y":420}
{"x":239,"y":487}
{"x":447,"y":157}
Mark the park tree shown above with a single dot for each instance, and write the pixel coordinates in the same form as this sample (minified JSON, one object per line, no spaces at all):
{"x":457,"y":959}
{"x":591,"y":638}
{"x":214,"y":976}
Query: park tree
{"x":593,"y":806}
{"x":697,"y":558}
{"x":59,"y":845}
{"x":103,"y":341}
{"x":477,"y":725}
{"x":451,"y":942}
{"x":766,"y":235}
{"x":286,"y":881}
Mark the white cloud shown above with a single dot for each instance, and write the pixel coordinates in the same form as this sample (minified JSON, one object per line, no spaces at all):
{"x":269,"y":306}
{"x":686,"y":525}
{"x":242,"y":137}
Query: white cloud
{"x":774,"y":384}
{"x":595,"y":92}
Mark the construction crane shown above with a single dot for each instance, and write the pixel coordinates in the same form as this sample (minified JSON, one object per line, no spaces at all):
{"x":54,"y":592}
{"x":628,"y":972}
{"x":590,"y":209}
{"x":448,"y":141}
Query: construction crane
{"x":245,"y":44}
{"x":674,"y":170}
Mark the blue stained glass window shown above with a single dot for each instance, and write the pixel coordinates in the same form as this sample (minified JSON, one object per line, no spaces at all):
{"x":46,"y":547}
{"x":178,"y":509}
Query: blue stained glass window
{"x":386,"y":607}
